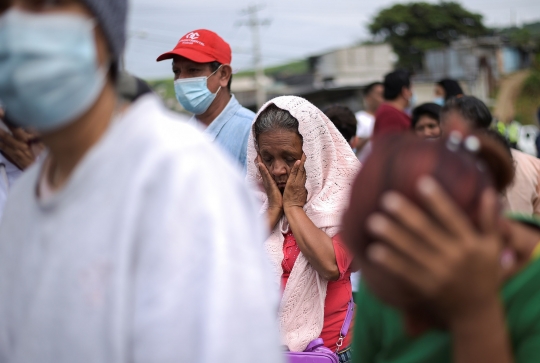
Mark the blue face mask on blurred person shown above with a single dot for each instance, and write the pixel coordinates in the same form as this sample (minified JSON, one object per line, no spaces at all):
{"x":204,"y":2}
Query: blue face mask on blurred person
{"x":49,"y":73}
{"x":193,"y":93}
{"x":439,"y":101}
{"x":412,"y":101}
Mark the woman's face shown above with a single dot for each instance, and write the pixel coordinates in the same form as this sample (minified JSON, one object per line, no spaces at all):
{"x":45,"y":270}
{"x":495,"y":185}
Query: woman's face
{"x":279,"y":150}
{"x":427,"y":127}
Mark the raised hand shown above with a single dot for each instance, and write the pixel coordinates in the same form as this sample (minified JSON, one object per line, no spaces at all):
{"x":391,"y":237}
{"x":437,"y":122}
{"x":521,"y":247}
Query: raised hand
{"x":452,"y":264}
{"x":275,"y":200}
{"x":295,"y":194}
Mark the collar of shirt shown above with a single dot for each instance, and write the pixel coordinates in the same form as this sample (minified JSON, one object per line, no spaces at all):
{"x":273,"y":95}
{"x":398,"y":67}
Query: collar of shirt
{"x":215,"y":127}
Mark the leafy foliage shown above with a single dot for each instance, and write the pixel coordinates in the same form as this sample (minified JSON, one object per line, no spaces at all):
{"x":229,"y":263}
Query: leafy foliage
{"x":532,"y":84}
{"x":526,"y":37}
{"x":528,"y":101}
{"x":413,"y":28}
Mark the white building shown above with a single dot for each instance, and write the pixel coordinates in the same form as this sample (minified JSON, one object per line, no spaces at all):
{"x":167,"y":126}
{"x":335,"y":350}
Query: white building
{"x":333,"y":77}
{"x":353,"y":66}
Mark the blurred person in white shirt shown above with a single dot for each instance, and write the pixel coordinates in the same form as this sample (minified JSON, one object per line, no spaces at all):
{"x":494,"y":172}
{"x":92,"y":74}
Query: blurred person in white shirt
{"x":373,"y":98}
{"x":134,"y":239}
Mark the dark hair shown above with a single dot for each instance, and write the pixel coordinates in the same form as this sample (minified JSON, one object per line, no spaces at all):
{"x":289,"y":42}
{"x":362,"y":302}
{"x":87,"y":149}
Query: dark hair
{"x":471,"y":109}
{"x":4,"y":5}
{"x":500,"y":139}
{"x":370,"y":87}
{"x":427,"y":109}
{"x":344,"y":120}
{"x":274,"y":118}
{"x":451,"y":88}
{"x":214,"y":66}
{"x":114,"y":72}
{"x":394,"y":83}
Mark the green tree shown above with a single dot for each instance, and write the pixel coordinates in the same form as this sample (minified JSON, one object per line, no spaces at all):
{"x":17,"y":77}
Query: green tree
{"x":526,"y":37}
{"x":413,"y":28}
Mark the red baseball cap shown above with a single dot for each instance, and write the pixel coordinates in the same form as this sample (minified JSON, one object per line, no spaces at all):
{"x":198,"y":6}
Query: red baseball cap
{"x":201,"y":46}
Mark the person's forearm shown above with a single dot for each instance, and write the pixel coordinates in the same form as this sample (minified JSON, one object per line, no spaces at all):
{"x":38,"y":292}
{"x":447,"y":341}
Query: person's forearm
{"x":482,"y":337}
{"x":315,"y":245}
{"x":273,"y":215}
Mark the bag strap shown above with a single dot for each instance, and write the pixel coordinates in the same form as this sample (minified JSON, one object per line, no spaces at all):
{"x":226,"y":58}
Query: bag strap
{"x":346,"y":324}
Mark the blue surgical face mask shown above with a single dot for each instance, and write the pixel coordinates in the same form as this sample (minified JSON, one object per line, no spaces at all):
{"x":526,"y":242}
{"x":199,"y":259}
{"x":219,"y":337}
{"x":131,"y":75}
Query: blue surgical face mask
{"x":412,"y":101}
{"x":193,"y":93}
{"x":49,"y":73}
{"x":439,"y":101}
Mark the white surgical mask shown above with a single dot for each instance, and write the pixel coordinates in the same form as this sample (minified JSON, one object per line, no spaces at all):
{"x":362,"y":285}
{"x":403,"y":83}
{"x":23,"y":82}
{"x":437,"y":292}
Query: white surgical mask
{"x":49,"y":73}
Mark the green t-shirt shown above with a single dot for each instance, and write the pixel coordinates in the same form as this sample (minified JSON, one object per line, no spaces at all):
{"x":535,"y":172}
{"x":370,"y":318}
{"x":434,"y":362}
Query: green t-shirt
{"x":380,"y":337}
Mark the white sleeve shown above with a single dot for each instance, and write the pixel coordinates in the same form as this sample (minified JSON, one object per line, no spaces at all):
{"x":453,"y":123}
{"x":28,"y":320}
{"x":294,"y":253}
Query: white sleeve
{"x":364,"y":125}
{"x":203,"y":289}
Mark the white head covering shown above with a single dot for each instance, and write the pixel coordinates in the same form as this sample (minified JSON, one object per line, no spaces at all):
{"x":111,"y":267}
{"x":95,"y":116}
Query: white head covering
{"x":330,"y":167}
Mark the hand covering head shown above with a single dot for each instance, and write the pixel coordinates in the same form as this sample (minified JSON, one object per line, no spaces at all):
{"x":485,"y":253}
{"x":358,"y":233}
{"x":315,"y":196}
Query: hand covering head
{"x":464,"y":166}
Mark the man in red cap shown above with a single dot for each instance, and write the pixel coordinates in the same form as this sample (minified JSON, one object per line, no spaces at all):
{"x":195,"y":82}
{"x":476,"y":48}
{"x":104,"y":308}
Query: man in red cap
{"x":201,"y":63}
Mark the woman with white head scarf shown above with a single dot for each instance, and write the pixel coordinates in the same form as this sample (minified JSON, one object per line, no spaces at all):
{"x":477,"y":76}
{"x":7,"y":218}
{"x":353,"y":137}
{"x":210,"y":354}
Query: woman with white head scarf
{"x":306,"y":169}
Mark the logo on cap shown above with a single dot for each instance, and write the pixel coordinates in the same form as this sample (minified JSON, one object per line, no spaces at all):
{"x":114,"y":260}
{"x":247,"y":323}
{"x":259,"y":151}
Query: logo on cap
{"x":192,"y":35}
{"x":191,"y":38}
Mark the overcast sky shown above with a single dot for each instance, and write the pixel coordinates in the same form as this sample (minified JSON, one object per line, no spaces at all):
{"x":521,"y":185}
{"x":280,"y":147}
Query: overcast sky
{"x":298,"y":28}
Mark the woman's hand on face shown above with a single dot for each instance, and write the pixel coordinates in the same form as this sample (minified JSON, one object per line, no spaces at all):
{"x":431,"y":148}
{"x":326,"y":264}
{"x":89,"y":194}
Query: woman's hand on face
{"x":295,"y":194}
{"x":450,"y":263}
{"x":275,"y":200}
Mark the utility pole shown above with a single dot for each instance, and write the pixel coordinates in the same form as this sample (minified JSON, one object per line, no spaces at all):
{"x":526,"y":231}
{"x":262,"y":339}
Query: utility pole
{"x":254,"y":24}
{"x":513,"y":22}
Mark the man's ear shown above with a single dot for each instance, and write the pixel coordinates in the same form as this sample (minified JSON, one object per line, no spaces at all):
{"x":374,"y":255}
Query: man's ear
{"x":225,"y":74}
{"x":406,"y":92}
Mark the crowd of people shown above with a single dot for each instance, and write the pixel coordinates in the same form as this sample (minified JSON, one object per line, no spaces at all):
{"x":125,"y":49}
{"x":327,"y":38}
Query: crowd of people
{"x":401,"y":233}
